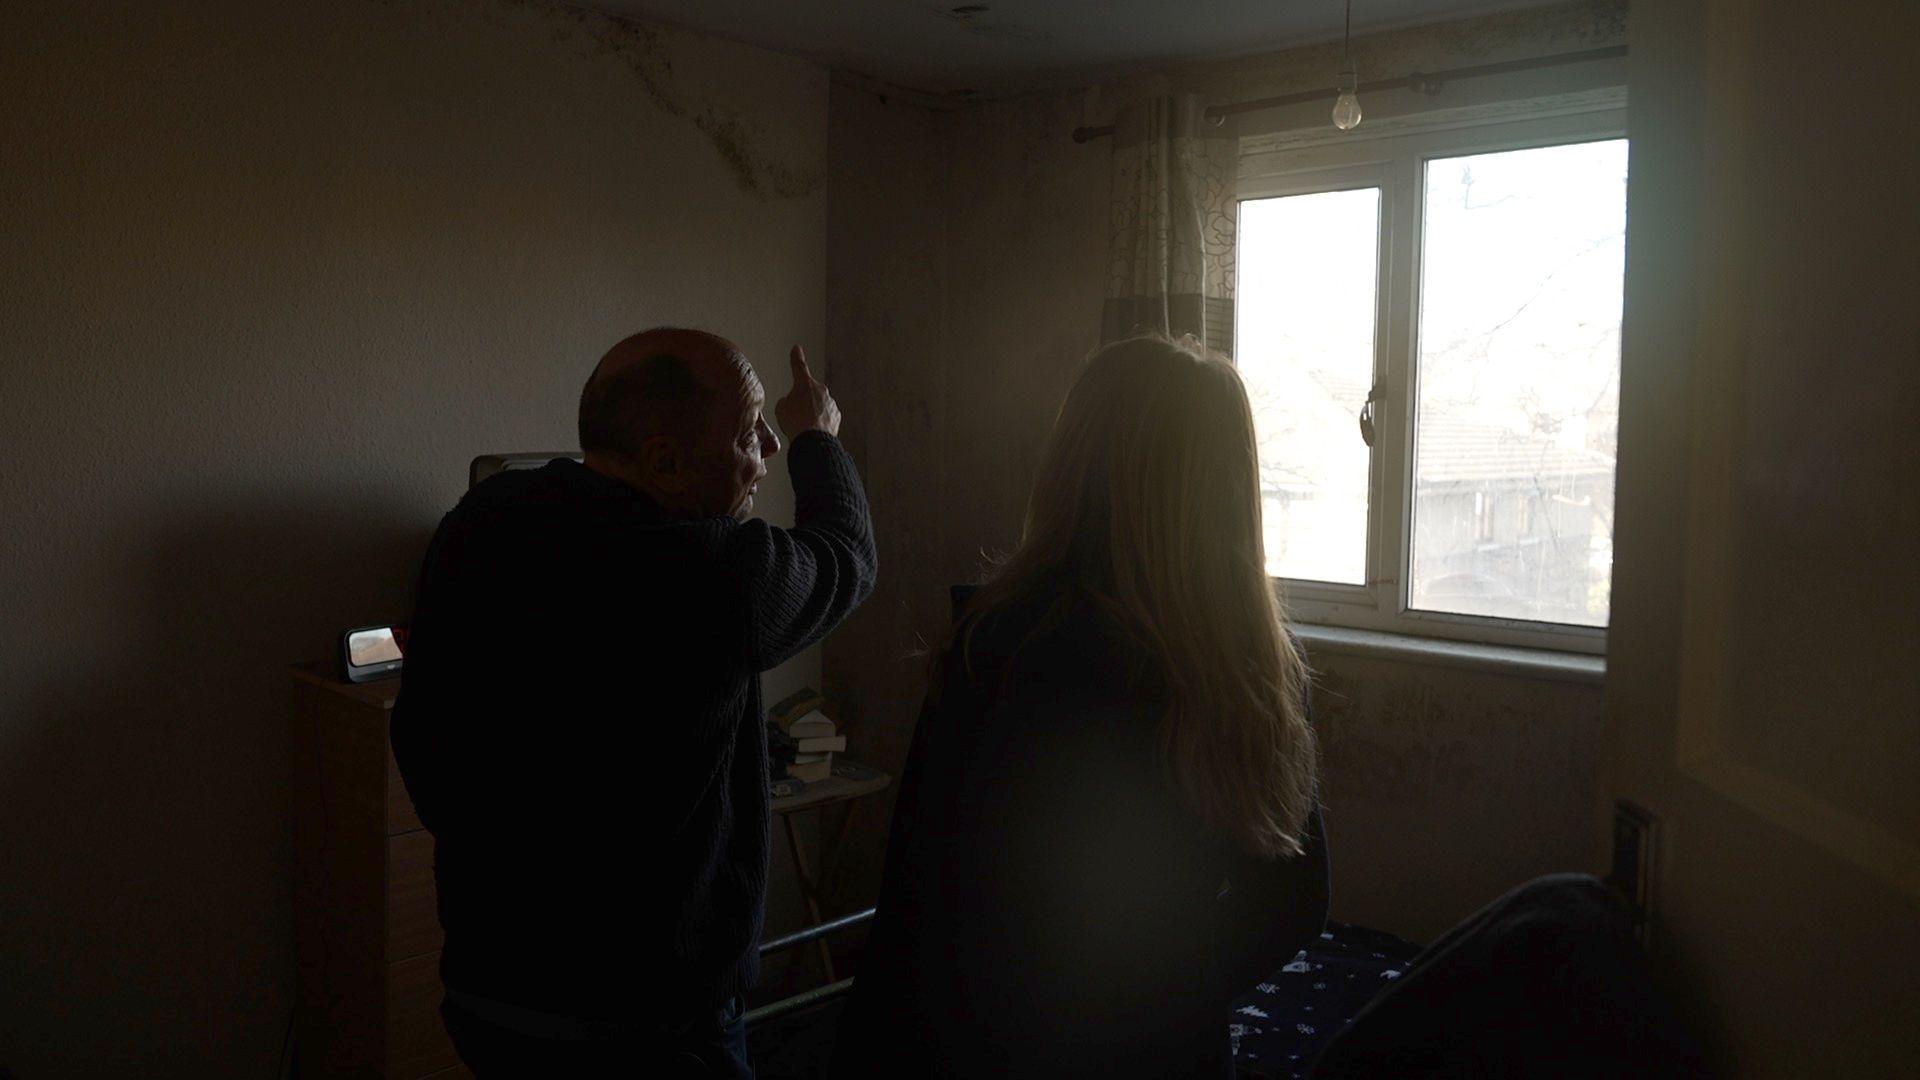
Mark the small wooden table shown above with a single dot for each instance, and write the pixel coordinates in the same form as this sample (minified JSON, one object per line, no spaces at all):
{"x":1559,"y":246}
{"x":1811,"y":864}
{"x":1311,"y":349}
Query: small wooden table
{"x":850,"y":780}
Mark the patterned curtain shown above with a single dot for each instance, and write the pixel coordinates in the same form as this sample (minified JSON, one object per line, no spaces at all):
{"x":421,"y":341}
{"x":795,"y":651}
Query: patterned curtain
{"x":1170,"y":231}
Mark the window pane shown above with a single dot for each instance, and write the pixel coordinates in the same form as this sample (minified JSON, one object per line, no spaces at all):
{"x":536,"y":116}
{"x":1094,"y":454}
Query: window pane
{"x":1308,"y":267}
{"x":1519,"y":377}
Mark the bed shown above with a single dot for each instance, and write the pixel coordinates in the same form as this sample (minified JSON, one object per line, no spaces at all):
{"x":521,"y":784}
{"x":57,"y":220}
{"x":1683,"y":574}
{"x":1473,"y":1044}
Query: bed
{"x":1276,"y":1027}
{"x":1280,"y":1025}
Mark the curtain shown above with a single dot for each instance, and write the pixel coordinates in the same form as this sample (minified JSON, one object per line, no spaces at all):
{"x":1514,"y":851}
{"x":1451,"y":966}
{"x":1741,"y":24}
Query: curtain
{"x":1170,"y":246}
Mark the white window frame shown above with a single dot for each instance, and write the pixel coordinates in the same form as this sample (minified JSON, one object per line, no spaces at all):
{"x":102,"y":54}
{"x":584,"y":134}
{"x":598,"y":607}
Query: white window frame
{"x":1395,"y":160}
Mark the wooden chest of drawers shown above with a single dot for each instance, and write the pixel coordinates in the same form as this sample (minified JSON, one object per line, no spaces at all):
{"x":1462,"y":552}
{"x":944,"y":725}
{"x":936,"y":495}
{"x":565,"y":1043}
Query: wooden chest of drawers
{"x":368,"y":937}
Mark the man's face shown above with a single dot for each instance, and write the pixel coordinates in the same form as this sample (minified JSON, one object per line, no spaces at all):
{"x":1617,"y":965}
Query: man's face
{"x":732,"y":459}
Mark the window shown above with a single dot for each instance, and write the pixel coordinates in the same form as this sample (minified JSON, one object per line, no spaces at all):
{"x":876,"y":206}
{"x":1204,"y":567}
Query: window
{"x":1468,"y":281}
{"x":1310,"y":372}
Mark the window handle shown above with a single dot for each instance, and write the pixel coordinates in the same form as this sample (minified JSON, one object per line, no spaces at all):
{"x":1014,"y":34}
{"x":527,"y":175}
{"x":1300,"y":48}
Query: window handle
{"x":1366,"y":416}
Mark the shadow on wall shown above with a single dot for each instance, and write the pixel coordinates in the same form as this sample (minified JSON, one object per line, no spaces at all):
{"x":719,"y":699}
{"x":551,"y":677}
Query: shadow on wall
{"x":146,"y":841}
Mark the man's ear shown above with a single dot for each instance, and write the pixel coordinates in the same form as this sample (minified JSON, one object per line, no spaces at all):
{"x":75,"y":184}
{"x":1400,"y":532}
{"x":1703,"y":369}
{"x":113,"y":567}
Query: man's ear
{"x":664,"y":462}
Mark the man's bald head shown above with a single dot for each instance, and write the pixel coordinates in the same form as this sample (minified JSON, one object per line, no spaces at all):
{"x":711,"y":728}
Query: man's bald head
{"x":676,"y":414}
{"x":664,"y":381}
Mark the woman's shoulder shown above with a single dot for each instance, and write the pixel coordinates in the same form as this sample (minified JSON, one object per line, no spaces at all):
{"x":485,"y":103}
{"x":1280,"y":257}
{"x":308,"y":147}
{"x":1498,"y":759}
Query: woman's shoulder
{"x":1064,"y":643}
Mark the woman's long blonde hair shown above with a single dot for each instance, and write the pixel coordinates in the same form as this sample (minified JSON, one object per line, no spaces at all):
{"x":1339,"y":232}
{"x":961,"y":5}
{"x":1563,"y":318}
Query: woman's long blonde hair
{"x":1148,"y":502}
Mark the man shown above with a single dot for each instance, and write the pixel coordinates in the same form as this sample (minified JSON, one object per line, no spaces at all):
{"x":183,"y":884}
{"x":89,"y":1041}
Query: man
{"x":581,"y":724}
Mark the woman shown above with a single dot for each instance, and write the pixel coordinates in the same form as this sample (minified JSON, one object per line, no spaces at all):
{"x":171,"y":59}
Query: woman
{"x":1107,"y":826}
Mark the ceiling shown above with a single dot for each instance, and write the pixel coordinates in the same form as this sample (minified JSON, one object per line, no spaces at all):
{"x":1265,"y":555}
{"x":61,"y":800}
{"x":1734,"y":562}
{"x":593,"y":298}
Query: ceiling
{"x":1000,"y":47}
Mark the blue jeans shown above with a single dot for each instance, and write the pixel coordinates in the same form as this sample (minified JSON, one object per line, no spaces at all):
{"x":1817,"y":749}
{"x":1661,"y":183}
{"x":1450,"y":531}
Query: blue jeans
{"x":497,"y":1040}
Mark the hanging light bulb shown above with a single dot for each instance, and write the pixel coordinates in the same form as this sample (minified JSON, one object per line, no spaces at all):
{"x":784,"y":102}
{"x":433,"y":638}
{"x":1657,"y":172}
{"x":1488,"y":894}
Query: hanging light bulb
{"x":1346,"y":107}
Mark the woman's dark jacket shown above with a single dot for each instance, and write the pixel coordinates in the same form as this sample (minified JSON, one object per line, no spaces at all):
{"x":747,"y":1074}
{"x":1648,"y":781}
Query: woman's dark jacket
{"x":1049,"y":907}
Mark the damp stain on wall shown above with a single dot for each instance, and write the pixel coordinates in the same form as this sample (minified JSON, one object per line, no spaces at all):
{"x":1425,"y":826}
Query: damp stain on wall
{"x":735,"y":139}
{"x":647,"y":54}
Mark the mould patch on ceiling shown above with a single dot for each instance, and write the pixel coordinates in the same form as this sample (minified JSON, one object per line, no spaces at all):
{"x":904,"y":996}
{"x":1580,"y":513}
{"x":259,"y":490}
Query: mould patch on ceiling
{"x":981,"y":20}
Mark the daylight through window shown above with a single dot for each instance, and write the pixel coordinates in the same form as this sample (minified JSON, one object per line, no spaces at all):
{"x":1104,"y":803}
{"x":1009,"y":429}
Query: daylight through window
{"x":1477,"y":293}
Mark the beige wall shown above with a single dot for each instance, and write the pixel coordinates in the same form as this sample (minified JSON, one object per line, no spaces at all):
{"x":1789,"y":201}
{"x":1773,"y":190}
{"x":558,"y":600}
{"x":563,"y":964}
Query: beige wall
{"x":966,"y":257}
{"x":1445,"y":786}
{"x":1763,"y":687}
{"x":960,"y":298}
{"x":273,"y":273}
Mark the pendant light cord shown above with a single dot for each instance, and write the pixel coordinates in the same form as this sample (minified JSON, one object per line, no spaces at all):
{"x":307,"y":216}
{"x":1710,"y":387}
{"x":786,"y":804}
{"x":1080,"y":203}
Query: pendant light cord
{"x":1346,"y":42}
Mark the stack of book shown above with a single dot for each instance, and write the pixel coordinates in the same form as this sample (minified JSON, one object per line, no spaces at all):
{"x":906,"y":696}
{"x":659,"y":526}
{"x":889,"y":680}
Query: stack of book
{"x":799,"y":720}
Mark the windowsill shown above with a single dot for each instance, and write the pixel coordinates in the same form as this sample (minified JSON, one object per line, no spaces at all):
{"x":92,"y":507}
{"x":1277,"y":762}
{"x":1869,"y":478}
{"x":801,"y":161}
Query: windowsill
{"x":1495,"y":659}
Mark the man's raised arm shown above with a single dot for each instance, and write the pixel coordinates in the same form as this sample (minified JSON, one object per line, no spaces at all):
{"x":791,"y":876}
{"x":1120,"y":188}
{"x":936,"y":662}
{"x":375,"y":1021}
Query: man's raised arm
{"x":801,"y":582}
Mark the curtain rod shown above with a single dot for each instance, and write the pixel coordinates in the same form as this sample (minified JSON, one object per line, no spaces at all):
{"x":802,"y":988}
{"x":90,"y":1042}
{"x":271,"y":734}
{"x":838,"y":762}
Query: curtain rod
{"x":1427,"y":82}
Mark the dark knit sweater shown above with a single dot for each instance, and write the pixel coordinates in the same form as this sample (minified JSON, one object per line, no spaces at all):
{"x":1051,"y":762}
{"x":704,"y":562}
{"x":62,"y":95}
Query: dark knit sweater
{"x":1049,"y":905}
{"x":581,"y":727}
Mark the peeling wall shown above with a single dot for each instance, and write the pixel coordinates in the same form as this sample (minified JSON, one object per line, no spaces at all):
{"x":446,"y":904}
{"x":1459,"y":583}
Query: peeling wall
{"x":963,"y":295}
{"x":274,"y":274}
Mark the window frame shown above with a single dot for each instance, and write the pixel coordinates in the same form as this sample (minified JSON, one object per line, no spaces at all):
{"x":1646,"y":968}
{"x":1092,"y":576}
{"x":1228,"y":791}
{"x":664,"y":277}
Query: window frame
{"x":1395,"y":160}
